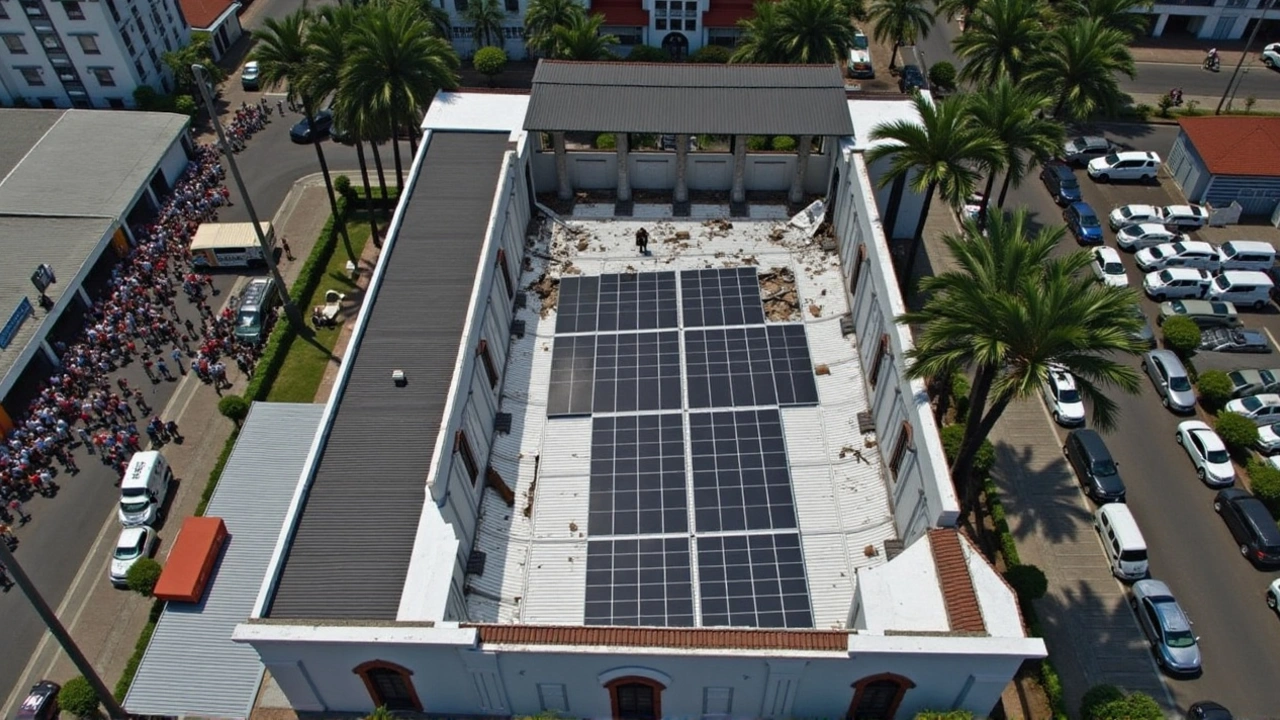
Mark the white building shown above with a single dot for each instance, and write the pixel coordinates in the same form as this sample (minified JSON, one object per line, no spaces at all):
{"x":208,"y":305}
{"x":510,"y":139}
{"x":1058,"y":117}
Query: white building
{"x":556,"y":475}
{"x":219,"y":18}
{"x":86,"y":54}
{"x":1209,"y":19}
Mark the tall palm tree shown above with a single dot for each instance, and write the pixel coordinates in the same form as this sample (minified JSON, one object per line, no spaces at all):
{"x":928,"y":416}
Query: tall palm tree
{"x":486,"y":18}
{"x":760,"y":40}
{"x":940,"y":152}
{"x":952,"y":9}
{"x":395,"y":69}
{"x":815,"y":31}
{"x":904,"y":22}
{"x":543,"y":17}
{"x":1078,"y":68}
{"x":1127,"y":16}
{"x":1013,"y":116}
{"x":581,"y":39}
{"x":437,"y":17}
{"x":283,"y":56}
{"x":1000,"y":39}
{"x":1009,"y":312}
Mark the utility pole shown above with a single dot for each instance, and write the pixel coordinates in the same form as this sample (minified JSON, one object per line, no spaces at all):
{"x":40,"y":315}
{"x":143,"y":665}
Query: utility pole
{"x":290,"y":310}
{"x":60,"y":633}
{"x":1235,"y":76}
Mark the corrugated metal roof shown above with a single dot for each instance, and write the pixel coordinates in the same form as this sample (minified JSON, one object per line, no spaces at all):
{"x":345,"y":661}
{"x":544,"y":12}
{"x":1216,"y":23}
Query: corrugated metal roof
{"x":370,"y":484}
{"x":191,"y":666}
{"x":690,"y":98}
{"x":22,"y":128}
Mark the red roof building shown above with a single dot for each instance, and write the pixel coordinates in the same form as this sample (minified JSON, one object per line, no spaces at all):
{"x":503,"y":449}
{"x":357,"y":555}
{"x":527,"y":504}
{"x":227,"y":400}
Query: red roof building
{"x":219,"y":18}
{"x":1218,"y":160}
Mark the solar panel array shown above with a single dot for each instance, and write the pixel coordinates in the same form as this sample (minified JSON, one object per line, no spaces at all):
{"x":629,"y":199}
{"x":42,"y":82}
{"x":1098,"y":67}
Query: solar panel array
{"x":663,"y":464}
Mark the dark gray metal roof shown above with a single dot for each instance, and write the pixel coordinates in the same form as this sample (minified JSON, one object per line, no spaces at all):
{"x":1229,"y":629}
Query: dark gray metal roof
{"x":692,"y":98}
{"x":353,"y":538}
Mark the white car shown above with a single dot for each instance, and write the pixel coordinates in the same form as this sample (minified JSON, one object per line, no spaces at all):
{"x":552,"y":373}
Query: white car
{"x":134,"y":544}
{"x":1145,"y":235}
{"x":1261,"y":409}
{"x":1176,"y":284}
{"x":1273,"y":590}
{"x":1271,"y":55}
{"x":1135,"y":215}
{"x":1207,"y":452}
{"x":1185,"y":217}
{"x":1125,"y":165}
{"x":1063,"y":398}
{"x":1268,"y":439}
{"x":1108,"y":268}
{"x":1189,"y":253}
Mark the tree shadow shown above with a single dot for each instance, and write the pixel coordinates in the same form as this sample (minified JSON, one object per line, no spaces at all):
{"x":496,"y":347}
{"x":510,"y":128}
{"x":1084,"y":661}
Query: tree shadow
{"x":1040,"y":494}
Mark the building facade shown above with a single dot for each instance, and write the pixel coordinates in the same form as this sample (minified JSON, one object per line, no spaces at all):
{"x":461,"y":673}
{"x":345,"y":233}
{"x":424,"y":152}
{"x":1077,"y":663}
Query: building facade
{"x":86,"y":54}
{"x":219,"y":19}
{"x":1209,"y":19}
{"x":1218,"y":161}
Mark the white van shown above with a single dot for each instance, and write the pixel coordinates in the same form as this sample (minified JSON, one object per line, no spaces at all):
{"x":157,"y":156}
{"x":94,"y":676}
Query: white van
{"x":1242,"y":287}
{"x":1126,"y":550}
{"x":230,"y":245}
{"x":144,"y":488}
{"x":1247,"y":255}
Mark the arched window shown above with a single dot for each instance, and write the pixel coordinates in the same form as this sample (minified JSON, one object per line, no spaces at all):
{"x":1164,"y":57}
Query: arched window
{"x":877,"y":697}
{"x":635,"y":698}
{"x":389,"y":684}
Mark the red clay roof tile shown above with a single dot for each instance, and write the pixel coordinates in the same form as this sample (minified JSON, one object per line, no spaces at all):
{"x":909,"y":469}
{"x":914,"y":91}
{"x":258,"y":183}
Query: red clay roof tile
{"x":697,"y":638}
{"x":963,"y":612}
{"x":1236,"y":145}
{"x":200,"y":14}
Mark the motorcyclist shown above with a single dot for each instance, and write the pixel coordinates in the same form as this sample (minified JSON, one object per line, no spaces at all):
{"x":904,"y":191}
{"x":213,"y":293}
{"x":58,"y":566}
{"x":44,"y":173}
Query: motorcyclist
{"x":1211,"y":59}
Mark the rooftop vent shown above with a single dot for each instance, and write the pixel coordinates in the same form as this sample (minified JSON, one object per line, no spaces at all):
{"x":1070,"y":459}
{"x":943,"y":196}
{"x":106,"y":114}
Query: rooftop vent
{"x":399,"y":378}
{"x":522,"y":300}
{"x":502,"y":423}
{"x":517,"y":328}
{"x":846,"y":324}
{"x":475,"y":562}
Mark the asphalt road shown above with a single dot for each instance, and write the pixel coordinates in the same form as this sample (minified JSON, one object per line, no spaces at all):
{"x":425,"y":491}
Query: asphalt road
{"x":1189,"y":546}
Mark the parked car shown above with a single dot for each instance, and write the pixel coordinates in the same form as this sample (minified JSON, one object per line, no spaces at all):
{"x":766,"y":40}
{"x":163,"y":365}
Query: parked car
{"x":1134,"y":215}
{"x":1095,"y":469}
{"x":1262,"y":409}
{"x":1181,"y":283}
{"x":133,"y":544}
{"x":1061,"y":182}
{"x":1204,"y":313}
{"x":1188,"y":253}
{"x":1083,"y":222}
{"x":911,"y":79}
{"x":1271,"y":55}
{"x":859,"y":64}
{"x":1251,"y":526}
{"x":1144,"y":235}
{"x":304,"y":131}
{"x":1268,"y":439}
{"x":1208,"y":710}
{"x":249,"y":75}
{"x":1126,"y":165}
{"x":1170,"y":379}
{"x":1273,"y":594}
{"x":1167,"y":627}
{"x":1207,"y":452}
{"x":1234,"y":340}
{"x":1248,"y":381}
{"x":1080,"y":150}
{"x":1185,"y":217}
{"x":41,"y":702}
{"x":1108,"y":268}
{"x":1063,"y":397}
{"x":1144,"y":334}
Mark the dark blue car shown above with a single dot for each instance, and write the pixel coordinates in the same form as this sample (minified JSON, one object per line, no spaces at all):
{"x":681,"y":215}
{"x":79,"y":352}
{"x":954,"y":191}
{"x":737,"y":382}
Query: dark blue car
{"x":1083,"y":222}
{"x":1061,"y":182}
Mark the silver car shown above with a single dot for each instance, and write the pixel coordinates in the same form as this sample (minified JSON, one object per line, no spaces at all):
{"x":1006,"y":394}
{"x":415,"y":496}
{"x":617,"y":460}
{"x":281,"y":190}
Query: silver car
{"x":1253,"y":382}
{"x":1171,"y":380}
{"x":1167,"y":627}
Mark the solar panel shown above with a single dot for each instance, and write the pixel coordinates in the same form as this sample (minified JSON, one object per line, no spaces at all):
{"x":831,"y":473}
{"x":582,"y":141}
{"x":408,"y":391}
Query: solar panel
{"x":572,"y":371}
{"x":721,"y":296}
{"x":637,"y":475}
{"x":792,"y":366}
{"x":742,"y":367}
{"x":639,"y":582}
{"x":741,"y":479}
{"x":753,"y":581}
{"x":637,"y":301}
{"x":577,"y":304}
{"x":637,"y":371}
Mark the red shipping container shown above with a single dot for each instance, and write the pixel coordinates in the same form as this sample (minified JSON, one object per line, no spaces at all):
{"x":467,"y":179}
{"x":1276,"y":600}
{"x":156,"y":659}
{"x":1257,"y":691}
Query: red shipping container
{"x":191,"y":560}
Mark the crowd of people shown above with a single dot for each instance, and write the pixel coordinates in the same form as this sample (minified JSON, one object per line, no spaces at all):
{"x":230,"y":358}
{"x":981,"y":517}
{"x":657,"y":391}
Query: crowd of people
{"x":248,"y":120}
{"x":136,"y":319}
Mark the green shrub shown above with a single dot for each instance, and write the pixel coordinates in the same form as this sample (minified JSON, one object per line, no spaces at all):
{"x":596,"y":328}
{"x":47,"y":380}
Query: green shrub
{"x":342,"y":186}
{"x":711,"y":54}
{"x":606,"y":141}
{"x":234,"y":408}
{"x":943,"y":76}
{"x":648,"y":53}
{"x":1097,"y":697}
{"x":1136,"y":706}
{"x":983,"y":460}
{"x":1028,"y":582}
{"x":1181,"y":335}
{"x":960,"y":389}
{"x":143,"y":575}
{"x":78,"y":698}
{"x":784,"y":143}
{"x":1264,"y":480}
{"x":1236,"y":430}
{"x":1142,"y":111}
{"x":756,"y":143}
{"x":1165,"y":104}
{"x":1215,"y":389}
{"x":489,"y":61}
{"x":185,"y":104}
{"x":1052,"y":683}
{"x":940,"y":715}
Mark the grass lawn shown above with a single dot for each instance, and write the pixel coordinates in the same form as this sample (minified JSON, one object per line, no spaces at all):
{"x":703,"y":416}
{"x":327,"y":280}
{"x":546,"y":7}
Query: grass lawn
{"x":310,"y":353}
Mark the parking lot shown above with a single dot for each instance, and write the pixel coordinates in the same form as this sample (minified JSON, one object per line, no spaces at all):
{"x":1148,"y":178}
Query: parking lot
{"x":1189,"y":547}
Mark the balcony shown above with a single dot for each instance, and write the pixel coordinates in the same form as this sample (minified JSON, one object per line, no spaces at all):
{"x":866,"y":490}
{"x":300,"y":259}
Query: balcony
{"x":1188,"y":3}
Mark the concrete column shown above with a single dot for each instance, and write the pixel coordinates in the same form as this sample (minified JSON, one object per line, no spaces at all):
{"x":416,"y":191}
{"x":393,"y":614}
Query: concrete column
{"x":564,"y":188}
{"x":624,"y":178}
{"x":1158,"y":30}
{"x":739,"y":192}
{"x":796,"y":196}
{"x":682,"y":169}
{"x":84,"y":297}
{"x":49,"y":353}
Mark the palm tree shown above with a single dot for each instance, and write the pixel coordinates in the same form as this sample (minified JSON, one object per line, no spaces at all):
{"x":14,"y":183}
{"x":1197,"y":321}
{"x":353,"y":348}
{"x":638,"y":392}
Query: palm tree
{"x":486,"y":18}
{"x":1009,"y":312}
{"x":761,"y":35}
{"x":543,"y":17}
{"x":903,"y":21}
{"x":814,"y":31}
{"x":436,"y":17}
{"x":953,"y":9}
{"x":581,"y":39}
{"x":395,"y":69}
{"x":1078,"y":67}
{"x":1013,"y":116}
{"x":283,"y":56}
{"x":1127,"y":16}
{"x":939,"y":152}
{"x":1000,"y":39}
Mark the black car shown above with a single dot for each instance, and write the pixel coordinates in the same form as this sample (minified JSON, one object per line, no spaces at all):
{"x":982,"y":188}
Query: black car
{"x":1096,"y":471}
{"x":911,"y":79}
{"x":1251,"y":525}
{"x":1232,"y":340}
{"x":41,"y":703}
{"x":304,"y":131}
{"x":1061,"y":182}
{"x":1208,"y":710}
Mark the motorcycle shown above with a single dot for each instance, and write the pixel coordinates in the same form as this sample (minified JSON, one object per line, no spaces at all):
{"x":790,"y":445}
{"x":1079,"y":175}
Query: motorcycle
{"x":1213,"y":63}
